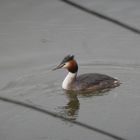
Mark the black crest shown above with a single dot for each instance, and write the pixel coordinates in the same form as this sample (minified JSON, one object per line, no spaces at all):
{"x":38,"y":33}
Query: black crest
{"x":68,"y":58}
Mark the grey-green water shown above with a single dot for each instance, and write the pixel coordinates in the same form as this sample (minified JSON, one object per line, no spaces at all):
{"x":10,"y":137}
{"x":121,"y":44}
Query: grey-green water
{"x":34,"y":37}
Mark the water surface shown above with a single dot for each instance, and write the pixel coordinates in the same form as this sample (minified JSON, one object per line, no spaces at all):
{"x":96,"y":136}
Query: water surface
{"x":35,"y":36}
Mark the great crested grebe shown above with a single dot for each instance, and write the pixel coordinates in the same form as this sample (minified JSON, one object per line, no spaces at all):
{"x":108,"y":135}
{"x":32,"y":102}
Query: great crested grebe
{"x":84,"y":82}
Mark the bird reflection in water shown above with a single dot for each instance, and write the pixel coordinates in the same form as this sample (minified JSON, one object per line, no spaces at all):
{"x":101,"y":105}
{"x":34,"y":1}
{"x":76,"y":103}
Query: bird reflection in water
{"x":71,"y":109}
{"x":73,"y":105}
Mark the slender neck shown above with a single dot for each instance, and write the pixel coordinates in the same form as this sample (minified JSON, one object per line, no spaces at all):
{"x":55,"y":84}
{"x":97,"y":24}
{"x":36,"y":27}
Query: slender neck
{"x":69,"y":80}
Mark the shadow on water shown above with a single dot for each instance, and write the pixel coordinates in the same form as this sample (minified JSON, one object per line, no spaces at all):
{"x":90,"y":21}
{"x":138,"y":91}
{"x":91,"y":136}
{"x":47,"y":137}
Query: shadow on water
{"x":55,"y":115}
{"x":102,"y":16}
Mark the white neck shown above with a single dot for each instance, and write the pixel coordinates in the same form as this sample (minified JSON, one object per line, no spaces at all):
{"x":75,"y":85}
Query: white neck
{"x":70,"y":78}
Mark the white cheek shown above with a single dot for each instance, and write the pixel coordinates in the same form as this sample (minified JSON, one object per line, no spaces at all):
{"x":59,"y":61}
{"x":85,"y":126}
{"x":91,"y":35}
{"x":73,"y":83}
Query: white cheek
{"x":66,"y":65}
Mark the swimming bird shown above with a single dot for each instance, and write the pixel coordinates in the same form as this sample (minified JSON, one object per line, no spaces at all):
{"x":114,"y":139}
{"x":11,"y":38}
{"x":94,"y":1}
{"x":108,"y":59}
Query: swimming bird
{"x":84,"y":82}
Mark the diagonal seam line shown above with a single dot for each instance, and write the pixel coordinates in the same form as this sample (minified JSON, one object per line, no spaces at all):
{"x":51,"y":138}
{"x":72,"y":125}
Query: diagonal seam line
{"x":47,"y":112}
{"x":102,"y":16}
